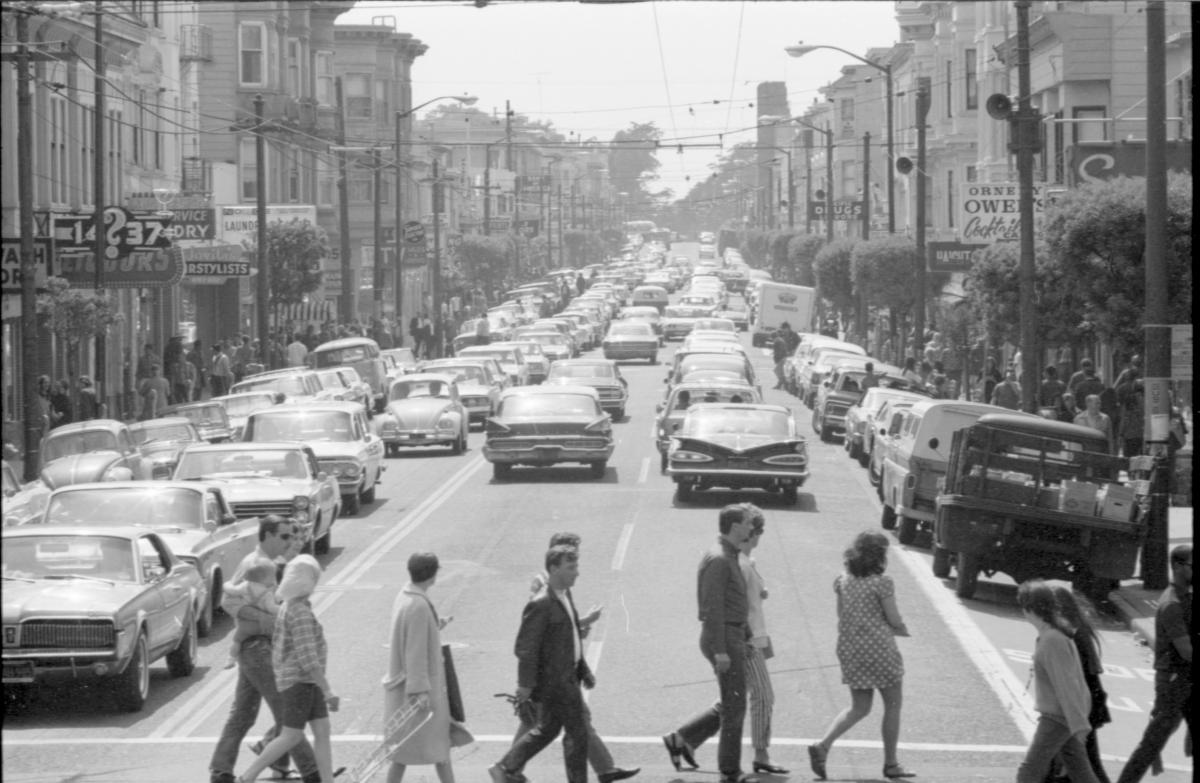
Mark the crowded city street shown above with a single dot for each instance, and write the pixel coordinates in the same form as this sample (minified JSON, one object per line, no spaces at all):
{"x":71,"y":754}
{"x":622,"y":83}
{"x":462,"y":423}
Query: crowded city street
{"x":967,"y":709}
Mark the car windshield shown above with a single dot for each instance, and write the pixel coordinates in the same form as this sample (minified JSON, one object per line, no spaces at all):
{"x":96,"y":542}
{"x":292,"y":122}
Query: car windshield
{"x":244,"y":406}
{"x":538,"y":405}
{"x":735,"y":421}
{"x":549,"y":339}
{"x":728,"y":363}
{"x":402,"y":355}
{"x":291,"y":385}
{"x":499,"y":354}
{"x":242,"y":463}
{"x":83,"y":442}
{"x":301,"y":425}
{"x":463,"y":372}
{"x":410,"y":390}
{"x":117,"y":505}
{"x":201,"y":415}
{"x":560,"y":370}
{"x":331,"y":380}
{"x":151,"y":433}
{"x":66,"y":557}
{"x":332,"y":357}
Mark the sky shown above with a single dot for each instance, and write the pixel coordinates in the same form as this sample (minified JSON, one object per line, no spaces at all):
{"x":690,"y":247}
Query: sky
{"x":692,"y":67}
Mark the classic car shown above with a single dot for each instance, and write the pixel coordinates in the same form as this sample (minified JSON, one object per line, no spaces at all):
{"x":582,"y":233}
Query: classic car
{"x":546,"y":425}
{"x":603,"y":375}
{"x":269,"y":478}
{"x":555,"y":345}
{"x":88,"y":605}
{"x":511,"y":360}
{"x":161,"y":440}
{"x":650,"y":315}
{"x":699,"y":338}
{"x":862,"y":419}
{"x":295,"y":383}
{"x":479,"y":385}
{"x":710,"y":363}
{"x":93,"y":450}
{"x":678,"y":320}
{"x":360,"y":353}
{"x":239,"y":406}
{"x":738,"y":446}
{"x":822,"y":359}
{"x":424,"y":409}
{"x":714,"y":324}
{"x":670,"y":412}
{"x":631,"y":340}
{"x":398,"y":361}
{"x":193,"y":519}
{"x":843,"y":388}
{"x":738,"y":315}
{"x":537,"y":363}
{"x":586,"y":330}
{"x":339,"y":435}
{"x":793,"y":366}
{"x":210,"y":419}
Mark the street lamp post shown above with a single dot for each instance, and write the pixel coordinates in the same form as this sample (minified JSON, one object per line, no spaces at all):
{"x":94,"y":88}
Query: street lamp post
{"x":465,"y":100}
{"x":802,"y":49}
{"x":828,"y":133}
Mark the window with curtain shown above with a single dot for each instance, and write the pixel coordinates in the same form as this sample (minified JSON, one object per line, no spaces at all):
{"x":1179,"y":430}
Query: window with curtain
{"x":252,"y":49}
{"x":971,"y":80}
{"x":323,"y":62}
{"x":357,"y":89}
{"x":248,"y":170}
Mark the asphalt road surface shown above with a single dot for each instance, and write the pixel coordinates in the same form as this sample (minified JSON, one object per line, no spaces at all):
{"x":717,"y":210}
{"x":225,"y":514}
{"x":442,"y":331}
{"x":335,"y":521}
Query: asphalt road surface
{"x":967,"y":713}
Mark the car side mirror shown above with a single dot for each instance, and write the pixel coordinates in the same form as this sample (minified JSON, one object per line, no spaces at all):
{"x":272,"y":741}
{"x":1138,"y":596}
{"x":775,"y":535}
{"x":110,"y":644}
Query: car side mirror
{"x":933,"y":443}
{"x":228,"y":519}
{"x":658,"y":408}
{"x":119,"y":474}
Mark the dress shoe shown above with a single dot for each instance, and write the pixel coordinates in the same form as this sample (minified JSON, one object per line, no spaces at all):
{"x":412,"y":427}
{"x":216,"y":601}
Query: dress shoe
{"x":222,"y":777}
{"x":769,"y":768}
{"x":500,"y":775}
{"x":617,"y":773}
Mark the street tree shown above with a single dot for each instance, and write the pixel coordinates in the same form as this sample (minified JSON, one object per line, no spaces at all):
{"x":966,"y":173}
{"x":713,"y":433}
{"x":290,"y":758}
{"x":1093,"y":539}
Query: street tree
{"x":881,"y":269}
{"x":834,"y":283}
{"x":1097,"y":232}
{"x":632,"y":163}
{"x":802,"y":254}
{"x":483,"y":260}
{"x":295,"y":250}
{"x":76,"y":316}
{"x":583,"y":246}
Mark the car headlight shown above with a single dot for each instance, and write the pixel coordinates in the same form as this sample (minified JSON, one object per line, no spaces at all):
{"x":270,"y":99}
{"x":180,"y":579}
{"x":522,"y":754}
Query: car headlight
{"x":446,"y":423}
{"x":345,"y":469}
{"x":389,"y":425}
{"x":300,"y":502}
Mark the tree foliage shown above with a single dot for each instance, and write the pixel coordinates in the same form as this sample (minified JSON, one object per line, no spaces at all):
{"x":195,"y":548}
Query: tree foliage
{"x":632,"y":163}
{"x":76,"y":315}
{"x":583,"y":247}
{"x":994,"y":291}
{"x":802,"y":254}
{"x":883,"y":269}
{"x":833,"y":274}
{"x":483,"y":260}
{"x":295,"y":251}
{"x":1097,"y":233}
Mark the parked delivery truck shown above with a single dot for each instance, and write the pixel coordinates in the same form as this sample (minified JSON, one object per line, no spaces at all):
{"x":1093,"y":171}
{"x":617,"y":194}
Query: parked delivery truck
{"x":779,"y":302}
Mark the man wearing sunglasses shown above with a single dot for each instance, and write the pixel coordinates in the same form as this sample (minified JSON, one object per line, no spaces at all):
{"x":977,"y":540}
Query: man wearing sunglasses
{"x":278,"y":540}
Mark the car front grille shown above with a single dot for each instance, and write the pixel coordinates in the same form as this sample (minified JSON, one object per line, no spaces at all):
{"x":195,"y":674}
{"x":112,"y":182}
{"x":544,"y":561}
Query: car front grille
{"x":261,"y":508}
{"x":66,"y":634}
{"x":609,"y":393}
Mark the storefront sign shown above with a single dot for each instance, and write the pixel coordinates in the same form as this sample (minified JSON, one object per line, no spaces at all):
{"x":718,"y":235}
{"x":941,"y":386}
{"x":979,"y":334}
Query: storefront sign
{"x":951,"y":256}
{"x":842,"y":210}
{"x":10,"y":271}
{"x":1102,"y":161}
{"x":158,"y":268}
{"x":414,"y":233}
{"x":192,"y":214}
{"x":528,"y":228}
{"x":215,"y":261}
{"x":992,"y":212}
{"x":238,"y":224}
{"x":125,"y":232}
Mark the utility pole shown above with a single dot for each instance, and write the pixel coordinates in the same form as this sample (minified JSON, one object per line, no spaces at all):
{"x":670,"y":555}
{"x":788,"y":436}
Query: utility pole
{"x":34,"y":421}
{"x":487,"y":190}
{"x":399,"y":229}
{"x":1155,"y":573}
{"x":860,"y":284}
{"x":1026,"y":142}
{"x":98,"y":86}
{"x":560,"y":224}
{"x":377,"y":216}
{"x":923,"y":102}
{"x":264,"y":263}
{"x":828,"y":183}
{"x":436,"y":265}
{"x":348,"y":305}
{"x":808,"y":140}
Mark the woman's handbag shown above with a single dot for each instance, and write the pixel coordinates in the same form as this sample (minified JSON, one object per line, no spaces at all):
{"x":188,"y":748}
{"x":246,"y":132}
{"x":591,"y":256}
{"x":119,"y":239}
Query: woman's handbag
{"x":453,"y":693}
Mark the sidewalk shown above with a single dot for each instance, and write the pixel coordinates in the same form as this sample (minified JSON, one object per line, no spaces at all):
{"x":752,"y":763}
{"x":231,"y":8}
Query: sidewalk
{"x":1137,"y":604}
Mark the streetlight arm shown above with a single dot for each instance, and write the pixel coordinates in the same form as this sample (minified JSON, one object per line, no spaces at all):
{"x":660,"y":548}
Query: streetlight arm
{"x":802,"y":49}
{"x":466,"y":100}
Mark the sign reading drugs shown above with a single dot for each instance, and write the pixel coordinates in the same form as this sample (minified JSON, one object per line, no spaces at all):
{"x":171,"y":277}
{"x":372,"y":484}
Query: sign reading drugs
{"x":842,"y":210}
{"x":992,"y":212}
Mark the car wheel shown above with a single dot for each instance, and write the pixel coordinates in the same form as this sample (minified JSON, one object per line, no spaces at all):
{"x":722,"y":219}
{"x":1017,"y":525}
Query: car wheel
{"x":620,"y":414}
{"x":853,"y":449}
{"x":887,"y":520}
{"x":133,"y":685}
{"x":500,"y":470}
{"x":459,"y":445}
{"x":598,"y":467}
{"x":791,"y":496}
{"x":941,"y":561}
{"x":204,"y":618}
{"x":968,"y":575}
{"x":826,"y":433}
{"x":181,"y":661}
{"x":322,"y":544}
{"x":654,"y":359}
{"x":352,"y":503}
{"x":368,"y":495}
{"x":907,"y":532}
{"x":684,"y":493}
{"x":662,"y":463}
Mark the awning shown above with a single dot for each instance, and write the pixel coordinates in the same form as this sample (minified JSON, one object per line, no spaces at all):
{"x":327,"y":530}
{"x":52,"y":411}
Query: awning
{"x":308,"y":311}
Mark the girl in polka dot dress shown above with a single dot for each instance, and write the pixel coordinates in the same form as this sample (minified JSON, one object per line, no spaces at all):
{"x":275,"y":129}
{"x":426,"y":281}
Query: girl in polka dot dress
{"x":868,"y":624}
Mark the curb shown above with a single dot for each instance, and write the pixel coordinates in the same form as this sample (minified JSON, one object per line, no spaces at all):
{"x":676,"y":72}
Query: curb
{"x":1141,"y":625}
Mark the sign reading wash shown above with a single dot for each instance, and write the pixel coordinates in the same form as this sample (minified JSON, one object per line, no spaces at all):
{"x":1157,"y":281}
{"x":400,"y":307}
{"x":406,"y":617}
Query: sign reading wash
{"x":238,"y":224}
{"x":992,"y":212}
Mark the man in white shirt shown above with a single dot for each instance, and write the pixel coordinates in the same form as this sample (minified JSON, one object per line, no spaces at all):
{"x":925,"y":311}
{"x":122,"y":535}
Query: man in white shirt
{"x":297,"y":352}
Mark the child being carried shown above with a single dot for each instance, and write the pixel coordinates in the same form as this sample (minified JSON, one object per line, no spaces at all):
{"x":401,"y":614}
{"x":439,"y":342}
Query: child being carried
{"x":257,"y":591}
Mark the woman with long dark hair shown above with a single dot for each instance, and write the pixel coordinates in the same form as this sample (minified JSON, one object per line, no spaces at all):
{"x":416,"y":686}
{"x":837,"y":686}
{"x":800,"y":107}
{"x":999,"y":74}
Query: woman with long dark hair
{"x":1075,"y":623}
{"x":1060,"y":693}
{"x":868,"y":624}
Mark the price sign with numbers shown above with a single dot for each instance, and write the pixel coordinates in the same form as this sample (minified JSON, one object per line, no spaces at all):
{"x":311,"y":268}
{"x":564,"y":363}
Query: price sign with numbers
{"x":124,"y":232}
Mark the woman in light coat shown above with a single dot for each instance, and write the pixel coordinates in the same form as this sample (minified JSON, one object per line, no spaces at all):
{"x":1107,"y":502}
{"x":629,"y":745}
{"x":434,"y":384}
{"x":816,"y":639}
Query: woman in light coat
{"x":416,"y":675}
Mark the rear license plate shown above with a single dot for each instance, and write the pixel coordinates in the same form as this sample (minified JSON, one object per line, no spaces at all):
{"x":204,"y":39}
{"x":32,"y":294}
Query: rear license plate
{"x":417,"y":436}
{"x":18,"y":672}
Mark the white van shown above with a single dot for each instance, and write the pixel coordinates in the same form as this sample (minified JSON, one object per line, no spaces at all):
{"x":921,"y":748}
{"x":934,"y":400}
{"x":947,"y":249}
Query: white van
{"x":361,"y":353}
{"x":916,"y":461}
{"x":650,"y":296}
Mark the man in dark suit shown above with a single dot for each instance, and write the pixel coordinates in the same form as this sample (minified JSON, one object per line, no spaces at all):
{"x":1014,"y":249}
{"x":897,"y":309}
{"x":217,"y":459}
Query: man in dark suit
{"x":721,"y":594}
{"x":550,"y":668}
